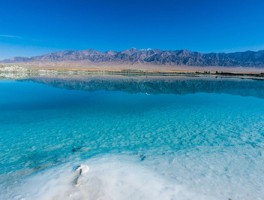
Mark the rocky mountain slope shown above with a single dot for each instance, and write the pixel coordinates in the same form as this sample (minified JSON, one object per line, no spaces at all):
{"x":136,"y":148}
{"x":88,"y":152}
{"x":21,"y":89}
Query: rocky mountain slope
{"x":153,"y":56}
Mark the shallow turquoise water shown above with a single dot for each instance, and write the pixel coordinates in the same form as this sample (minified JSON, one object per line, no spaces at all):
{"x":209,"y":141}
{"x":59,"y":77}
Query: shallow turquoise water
{"x":138,"y":145}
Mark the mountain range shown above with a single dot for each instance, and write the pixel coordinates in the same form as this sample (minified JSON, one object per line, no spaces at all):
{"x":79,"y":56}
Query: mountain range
{"x":152,"y":56}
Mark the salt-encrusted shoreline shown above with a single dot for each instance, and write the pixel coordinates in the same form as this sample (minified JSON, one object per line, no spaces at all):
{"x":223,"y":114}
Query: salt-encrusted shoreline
{"x":17,"y":71}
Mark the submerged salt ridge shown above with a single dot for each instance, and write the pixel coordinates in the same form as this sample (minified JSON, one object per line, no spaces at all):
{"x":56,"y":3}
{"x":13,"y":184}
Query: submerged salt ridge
{"x":114,"y":177}
{"x":137,"y":146}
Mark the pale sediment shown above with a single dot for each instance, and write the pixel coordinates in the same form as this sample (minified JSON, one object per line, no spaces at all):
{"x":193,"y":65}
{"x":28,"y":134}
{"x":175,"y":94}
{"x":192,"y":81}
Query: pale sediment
{"x":27,"y":70}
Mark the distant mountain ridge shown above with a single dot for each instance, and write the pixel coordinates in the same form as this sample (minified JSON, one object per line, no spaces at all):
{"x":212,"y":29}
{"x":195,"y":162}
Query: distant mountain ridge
{"x":152,"y":56}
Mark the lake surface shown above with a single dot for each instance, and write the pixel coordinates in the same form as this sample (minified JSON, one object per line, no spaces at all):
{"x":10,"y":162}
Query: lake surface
{"x":152,"y":138}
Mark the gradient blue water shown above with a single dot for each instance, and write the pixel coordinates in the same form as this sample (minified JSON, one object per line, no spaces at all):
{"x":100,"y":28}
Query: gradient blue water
{"x":211,"y":144}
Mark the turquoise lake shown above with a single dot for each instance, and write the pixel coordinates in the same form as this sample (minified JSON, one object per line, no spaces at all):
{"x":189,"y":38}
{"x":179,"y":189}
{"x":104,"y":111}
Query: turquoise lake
{"x":142,"y":138}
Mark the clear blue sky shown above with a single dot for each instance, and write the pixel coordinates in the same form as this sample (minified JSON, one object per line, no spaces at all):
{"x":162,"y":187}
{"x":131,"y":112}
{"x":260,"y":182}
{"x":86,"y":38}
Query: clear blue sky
{"x":32,"y":27}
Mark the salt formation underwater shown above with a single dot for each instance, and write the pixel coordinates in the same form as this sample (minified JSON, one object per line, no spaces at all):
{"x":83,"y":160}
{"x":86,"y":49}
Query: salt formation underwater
{"x":177,"y":139}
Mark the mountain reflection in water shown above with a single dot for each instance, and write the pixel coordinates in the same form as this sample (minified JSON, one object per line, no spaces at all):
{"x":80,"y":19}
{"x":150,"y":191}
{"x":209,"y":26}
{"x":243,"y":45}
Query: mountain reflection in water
{"x":159,"y":85}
